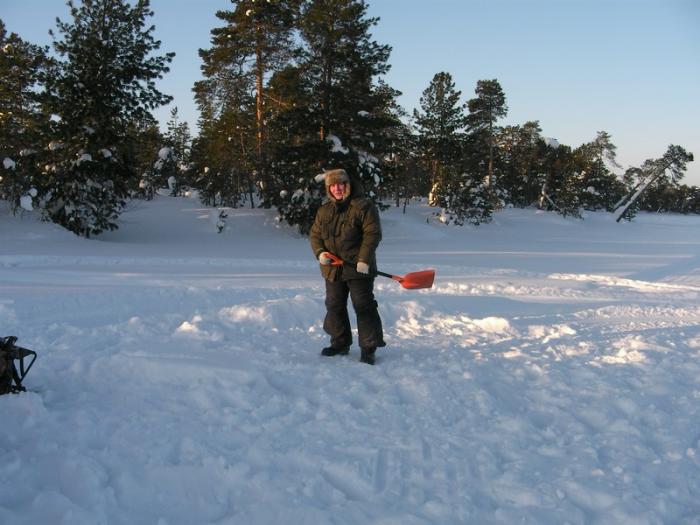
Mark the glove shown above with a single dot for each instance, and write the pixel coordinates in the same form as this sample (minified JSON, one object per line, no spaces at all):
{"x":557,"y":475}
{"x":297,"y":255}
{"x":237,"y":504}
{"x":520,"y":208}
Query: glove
{"x":362,"y":267}
{"x":324,"y":258}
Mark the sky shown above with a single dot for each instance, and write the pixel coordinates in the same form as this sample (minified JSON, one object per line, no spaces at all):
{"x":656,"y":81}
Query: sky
{"x":627,"y":67}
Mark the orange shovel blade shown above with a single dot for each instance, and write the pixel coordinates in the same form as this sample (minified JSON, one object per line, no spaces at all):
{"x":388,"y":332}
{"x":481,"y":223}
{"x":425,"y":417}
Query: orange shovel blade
{"x":416,"y":280}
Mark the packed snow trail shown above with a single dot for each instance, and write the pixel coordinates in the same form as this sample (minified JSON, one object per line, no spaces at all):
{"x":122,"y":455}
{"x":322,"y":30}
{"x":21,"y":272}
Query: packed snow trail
{"x":183,"y":384}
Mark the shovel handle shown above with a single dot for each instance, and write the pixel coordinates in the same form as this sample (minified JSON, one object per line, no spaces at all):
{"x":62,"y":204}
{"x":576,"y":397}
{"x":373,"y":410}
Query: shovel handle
{"x":337,"y":261}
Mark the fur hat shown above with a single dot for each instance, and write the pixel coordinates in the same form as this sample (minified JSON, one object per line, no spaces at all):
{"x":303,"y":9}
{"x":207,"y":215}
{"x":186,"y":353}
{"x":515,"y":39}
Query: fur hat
{"x":337,"y":176}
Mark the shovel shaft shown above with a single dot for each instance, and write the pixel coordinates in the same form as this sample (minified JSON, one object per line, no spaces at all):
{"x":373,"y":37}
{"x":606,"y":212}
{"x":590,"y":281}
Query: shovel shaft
{"x":337,"y":261}
{"x":410,"y":281}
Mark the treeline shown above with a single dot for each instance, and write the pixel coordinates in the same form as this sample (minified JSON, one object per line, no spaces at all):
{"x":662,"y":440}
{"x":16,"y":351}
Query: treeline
{"x":289,"y":88}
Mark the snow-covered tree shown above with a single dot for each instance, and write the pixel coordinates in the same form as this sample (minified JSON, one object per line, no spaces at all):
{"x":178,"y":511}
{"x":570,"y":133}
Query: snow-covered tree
{"x":161,"y":174}
{"x":521,"y":151}
{"x":103,"y":83}
{"x":331,"y":109}
{"x":464,"y":200}
{"x":22,"y":124}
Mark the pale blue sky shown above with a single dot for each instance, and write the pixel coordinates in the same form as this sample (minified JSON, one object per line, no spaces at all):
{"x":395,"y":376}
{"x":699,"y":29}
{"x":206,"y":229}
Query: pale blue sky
{"x":628,"y":67}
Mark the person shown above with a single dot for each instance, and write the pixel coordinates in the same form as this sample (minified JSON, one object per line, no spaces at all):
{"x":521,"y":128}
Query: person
{"x":348,"y":227}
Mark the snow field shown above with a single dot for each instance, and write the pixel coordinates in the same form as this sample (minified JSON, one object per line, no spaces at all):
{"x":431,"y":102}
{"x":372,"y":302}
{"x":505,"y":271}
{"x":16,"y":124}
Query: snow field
{"x":176,"y":386}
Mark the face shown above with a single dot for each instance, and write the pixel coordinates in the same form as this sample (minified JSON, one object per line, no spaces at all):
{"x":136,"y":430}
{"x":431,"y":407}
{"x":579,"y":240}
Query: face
{"x":338,"y":190}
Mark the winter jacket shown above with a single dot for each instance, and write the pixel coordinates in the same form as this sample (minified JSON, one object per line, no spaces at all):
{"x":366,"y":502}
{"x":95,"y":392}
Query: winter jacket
{"x":349,"y":229}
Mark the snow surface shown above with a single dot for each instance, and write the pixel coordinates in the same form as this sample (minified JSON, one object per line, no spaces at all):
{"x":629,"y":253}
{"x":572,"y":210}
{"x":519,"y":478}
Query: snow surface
{"x":550,"y":376}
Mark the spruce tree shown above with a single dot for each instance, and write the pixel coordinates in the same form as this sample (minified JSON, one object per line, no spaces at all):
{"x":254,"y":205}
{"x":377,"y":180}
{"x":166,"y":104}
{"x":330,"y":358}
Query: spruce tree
{"x":178,"y":137}
{"x":104,"y":82}
{"x":178,"y":173}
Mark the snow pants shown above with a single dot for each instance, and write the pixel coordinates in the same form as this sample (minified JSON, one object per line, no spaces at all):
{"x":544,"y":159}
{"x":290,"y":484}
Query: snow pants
{"x":337,"y":322}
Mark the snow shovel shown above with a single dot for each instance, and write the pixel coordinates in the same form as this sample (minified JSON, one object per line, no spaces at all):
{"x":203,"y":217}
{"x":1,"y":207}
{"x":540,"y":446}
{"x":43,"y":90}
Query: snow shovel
{"x":410,"y":281}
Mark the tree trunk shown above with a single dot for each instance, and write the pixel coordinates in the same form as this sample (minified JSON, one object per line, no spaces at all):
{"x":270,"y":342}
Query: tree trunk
{"x":489,"y":176}
{"x":640,"y":189}
{"x":435,"y":183}
{"x":259,"y":72}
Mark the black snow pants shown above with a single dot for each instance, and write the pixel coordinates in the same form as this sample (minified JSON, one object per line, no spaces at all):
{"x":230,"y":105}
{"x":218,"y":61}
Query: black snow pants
{"x":337,"y":322}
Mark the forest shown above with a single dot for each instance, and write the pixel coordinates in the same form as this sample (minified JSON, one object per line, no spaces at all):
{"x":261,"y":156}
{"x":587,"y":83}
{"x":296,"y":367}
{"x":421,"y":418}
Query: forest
{"x":289,"y":88}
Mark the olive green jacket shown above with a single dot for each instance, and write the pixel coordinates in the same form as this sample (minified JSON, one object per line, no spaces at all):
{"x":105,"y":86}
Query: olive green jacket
{"x":349,"y":229}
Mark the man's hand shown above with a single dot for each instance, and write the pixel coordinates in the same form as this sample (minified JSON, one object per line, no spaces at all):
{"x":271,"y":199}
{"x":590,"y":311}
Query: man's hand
{"x":324,"y":258}
{"x":362,"y":267}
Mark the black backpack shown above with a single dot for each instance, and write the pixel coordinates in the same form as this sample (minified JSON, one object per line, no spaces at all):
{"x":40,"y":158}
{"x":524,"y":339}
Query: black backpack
{"x":11,"y":378}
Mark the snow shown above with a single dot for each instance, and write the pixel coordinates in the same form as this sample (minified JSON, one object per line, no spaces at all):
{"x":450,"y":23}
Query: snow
{"x":85,"y":157}
{"x":165,"y":153}
{"x":25,"y":202}
{"x":551,"y":142}
{"x":337,"y":146}
{"x":550,"y":376}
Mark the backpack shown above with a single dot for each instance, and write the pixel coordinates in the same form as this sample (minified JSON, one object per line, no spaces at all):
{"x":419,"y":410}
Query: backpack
{"x":9,"y":353}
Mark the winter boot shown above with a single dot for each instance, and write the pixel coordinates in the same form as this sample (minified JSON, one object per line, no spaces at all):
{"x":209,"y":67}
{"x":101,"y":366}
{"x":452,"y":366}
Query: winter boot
{"x":367,"y":355}
{"x":331,"y":351}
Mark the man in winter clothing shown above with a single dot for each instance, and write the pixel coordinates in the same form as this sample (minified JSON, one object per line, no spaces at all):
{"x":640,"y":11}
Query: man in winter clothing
{"x":348,"y":227}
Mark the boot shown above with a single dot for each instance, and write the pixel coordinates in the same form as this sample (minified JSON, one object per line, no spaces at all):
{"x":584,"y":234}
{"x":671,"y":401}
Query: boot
{"x":367,"y":355}
{"x":331,"y":351}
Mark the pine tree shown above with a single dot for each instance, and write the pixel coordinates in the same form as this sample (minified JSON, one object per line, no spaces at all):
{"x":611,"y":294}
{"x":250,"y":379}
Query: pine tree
{"x":255,"y":43}
{"x":440,"y":124}
{"x":484,"y":110}
{"x":521,"y":150}
{"x":669,"y":169}
{"x":599,"y":188}
{"x":296,"y":152}
{"x":22,"y":124}
{"x":148,"y":140}
{"x":222,"y":158}
{"x":405,"y":176}
{"x":104,"y":82}
{"x":465,"y":199}
{"x":559,"y":190}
